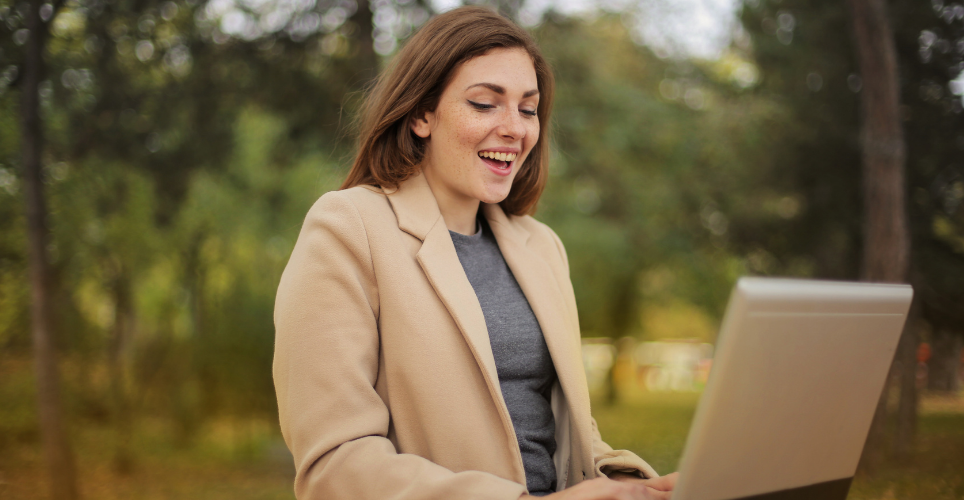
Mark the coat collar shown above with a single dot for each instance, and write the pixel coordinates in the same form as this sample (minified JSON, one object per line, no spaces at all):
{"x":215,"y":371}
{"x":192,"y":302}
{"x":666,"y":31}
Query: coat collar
{"x":417,"y":211}
{"x":415,"y":206}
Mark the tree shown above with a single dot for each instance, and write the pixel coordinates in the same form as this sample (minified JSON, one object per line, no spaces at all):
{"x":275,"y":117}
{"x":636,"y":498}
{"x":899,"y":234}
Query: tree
{"x":886,"y":242}
{"x":886,"y":239}
{"x":57,"y":451}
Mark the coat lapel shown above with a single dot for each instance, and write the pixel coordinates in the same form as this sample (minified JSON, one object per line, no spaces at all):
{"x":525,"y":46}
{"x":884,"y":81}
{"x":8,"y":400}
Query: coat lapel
{"x":543,"y":292}
{"x":418,"y":214}
{"x":444,"y":270}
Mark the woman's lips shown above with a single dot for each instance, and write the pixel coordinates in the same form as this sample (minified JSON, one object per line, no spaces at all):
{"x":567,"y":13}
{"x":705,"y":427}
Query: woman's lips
{"x":501,"y":168}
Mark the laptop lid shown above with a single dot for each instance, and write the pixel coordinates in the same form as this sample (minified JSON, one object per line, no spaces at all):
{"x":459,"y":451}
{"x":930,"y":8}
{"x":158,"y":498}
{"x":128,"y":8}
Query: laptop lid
{"x":798,"y":371}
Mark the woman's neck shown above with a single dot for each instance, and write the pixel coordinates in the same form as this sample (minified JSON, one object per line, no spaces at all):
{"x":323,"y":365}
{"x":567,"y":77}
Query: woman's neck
{"x":459,"y":212}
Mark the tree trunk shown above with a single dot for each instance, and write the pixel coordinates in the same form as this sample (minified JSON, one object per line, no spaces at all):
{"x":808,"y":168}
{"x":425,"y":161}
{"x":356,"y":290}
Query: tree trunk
{"x":944,"y":366}
{"x":57,"y":453}
{"x":196,"y":389}
{"x":908,"y":403}
{"x":886,"y":240}
{"x":622,"y":314}
{"x":120,"y":402}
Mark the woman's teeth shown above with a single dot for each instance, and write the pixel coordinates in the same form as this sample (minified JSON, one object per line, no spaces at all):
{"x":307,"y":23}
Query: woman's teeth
{"x":497,"y":156}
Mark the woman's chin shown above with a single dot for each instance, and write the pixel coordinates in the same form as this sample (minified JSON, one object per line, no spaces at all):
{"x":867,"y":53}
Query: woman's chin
{"x":493,"y":196}
{"x":495,"y":192}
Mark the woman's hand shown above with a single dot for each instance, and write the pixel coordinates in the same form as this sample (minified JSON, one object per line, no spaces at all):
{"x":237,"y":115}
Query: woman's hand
{"x":662,"y":483}
{"x":604,"y":488}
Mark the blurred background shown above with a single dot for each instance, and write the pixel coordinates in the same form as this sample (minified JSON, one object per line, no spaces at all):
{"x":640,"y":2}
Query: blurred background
{"x":151,"y":194}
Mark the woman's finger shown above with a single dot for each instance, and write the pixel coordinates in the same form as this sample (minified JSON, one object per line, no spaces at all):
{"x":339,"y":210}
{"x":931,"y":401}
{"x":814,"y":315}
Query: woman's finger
{"x":663,"y":483}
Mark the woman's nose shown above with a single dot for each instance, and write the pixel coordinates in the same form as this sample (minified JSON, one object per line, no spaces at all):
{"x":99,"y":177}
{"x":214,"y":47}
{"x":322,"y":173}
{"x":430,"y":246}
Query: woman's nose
{"x":512,"y":126}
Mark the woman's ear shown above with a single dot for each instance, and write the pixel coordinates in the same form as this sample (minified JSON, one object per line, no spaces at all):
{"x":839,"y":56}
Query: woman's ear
{"x":422,"y":124}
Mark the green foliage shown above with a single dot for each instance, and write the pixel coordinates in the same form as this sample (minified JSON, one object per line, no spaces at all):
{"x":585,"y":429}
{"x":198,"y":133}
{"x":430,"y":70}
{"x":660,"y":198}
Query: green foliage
{"x":179,"y":164}
{"x":647,"y":181}
{"x":14,"y":314}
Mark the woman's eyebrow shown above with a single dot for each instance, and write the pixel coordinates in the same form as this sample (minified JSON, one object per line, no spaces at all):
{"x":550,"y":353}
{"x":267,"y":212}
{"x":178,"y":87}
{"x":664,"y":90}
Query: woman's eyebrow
{"x":498,"y":89}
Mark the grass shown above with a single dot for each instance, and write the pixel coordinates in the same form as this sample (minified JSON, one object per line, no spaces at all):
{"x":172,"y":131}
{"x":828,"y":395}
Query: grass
{"x":246,"y":459}
{"x":935,"y":471}
{"x":230,"y":460}
{"x":652,"y":425}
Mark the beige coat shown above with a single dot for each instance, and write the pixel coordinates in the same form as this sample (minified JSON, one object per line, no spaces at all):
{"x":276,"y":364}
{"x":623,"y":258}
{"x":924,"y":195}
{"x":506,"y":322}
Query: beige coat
{"x":386,"y":382}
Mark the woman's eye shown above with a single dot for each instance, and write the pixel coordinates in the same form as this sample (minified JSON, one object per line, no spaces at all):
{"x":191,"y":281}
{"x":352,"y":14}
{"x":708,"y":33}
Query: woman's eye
{"x":530,"y":112}
{"x":479,"y":105}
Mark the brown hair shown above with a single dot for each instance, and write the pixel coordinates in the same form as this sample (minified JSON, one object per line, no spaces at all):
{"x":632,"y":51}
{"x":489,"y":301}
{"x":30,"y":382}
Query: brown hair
{"x":389,"y":151}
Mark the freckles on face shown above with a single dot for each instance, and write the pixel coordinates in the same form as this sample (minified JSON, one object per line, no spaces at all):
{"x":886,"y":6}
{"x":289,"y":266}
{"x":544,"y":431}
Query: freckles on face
{"x":484,"y":127}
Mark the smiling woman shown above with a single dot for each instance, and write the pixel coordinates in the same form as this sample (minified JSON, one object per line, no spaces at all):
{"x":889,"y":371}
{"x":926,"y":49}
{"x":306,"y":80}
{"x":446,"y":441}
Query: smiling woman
{"x":427,"y":339}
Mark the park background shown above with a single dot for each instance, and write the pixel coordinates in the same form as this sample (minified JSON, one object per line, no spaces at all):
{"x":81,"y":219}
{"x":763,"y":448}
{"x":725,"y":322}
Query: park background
{"x":178,"y":145}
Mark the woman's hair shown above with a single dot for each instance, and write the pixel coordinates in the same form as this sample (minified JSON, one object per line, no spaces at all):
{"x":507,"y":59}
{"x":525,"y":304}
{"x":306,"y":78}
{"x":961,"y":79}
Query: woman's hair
{"x":389,"y":151}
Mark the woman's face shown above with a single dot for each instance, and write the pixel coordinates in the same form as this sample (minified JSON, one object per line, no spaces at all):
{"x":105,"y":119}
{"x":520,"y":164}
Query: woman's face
{"x":483,"y":129}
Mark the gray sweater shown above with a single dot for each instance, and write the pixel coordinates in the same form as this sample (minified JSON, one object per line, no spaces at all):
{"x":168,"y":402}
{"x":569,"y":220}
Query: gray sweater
{"x":526,"y":372}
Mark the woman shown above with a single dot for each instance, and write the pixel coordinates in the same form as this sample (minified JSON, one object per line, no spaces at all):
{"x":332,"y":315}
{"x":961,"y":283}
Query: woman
{"x":427,"y":337}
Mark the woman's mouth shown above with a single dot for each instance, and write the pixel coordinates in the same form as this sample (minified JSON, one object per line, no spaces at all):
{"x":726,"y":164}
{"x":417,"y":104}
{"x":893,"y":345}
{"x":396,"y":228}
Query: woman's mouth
{"x":499,"y":163}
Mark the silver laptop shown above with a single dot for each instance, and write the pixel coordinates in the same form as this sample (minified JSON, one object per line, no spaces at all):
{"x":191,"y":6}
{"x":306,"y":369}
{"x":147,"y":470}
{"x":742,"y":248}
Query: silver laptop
{"x":798,"y":370}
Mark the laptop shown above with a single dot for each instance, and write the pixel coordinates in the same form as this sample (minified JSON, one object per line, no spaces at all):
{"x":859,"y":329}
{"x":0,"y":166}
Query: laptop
{"x":797,"y":374}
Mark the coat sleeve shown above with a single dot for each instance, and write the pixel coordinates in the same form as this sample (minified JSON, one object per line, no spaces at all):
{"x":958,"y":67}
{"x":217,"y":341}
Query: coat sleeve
{"x":325,"y":369}
{"x":605,"y":457}
{"x":609,"y":460}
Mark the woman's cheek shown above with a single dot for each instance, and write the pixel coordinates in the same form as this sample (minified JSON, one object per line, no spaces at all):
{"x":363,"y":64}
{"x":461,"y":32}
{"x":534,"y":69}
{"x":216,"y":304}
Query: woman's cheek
{"x":532,"y":136}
